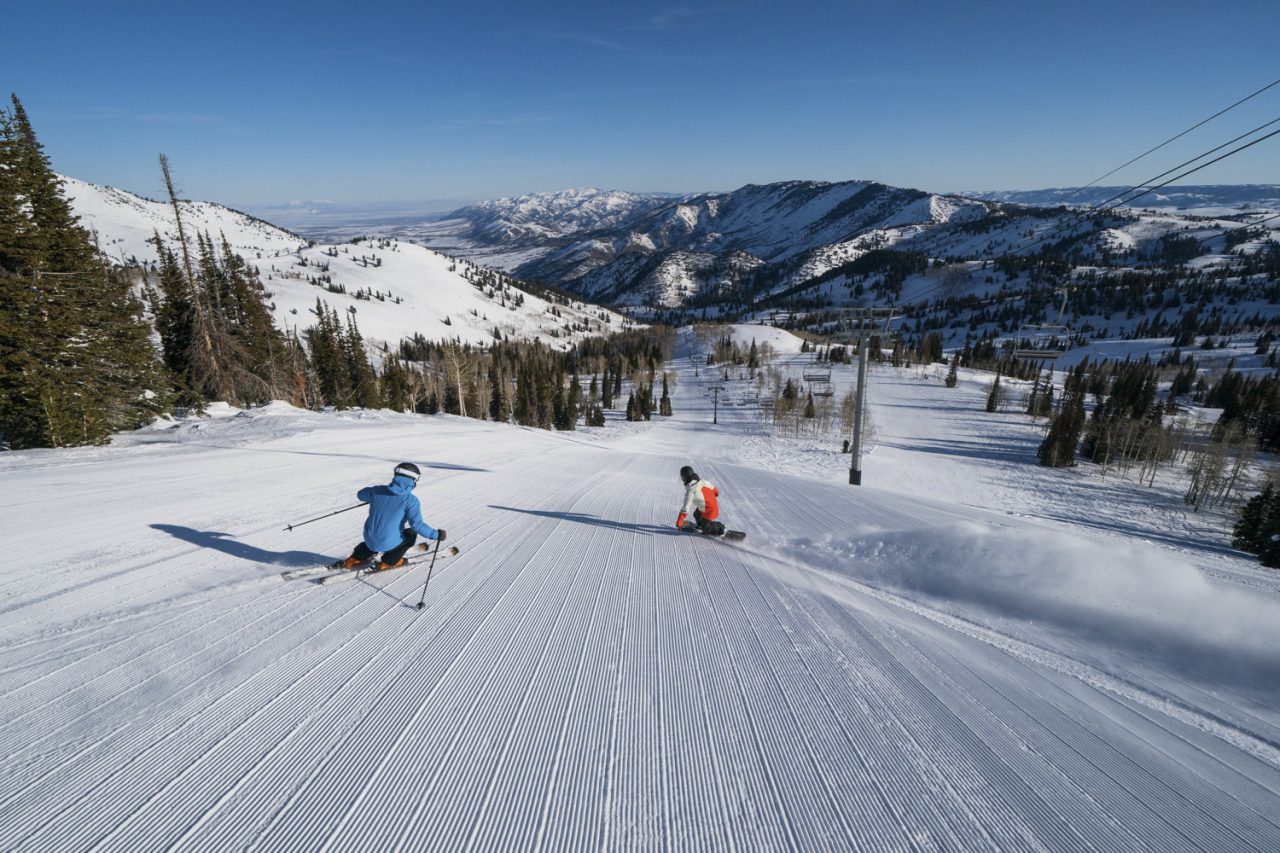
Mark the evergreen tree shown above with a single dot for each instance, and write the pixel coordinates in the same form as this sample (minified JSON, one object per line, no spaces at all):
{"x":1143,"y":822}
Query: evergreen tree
{"x":1258,"y":528}
{"x":993,"y":397}
{"x":499,"y":406}
{"x":953,"y":376}
{"x":1059,"y":446}
{"x":76,"y":362}
{"x":1247,"y":534}
{"x":664,"y":405}
{"x":363,"y":381}
{"x":574,"y":403}
{"x":329,"y":358}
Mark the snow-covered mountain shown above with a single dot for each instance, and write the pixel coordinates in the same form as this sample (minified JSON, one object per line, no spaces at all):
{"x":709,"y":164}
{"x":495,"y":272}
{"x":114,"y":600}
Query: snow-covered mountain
{"x":125,"y":224}
{"x":663,"y":251}
{"x":394,"y":289}
{"x":1188,"y":198}
{"x":531,"y":219}
{"x":806,"y":241}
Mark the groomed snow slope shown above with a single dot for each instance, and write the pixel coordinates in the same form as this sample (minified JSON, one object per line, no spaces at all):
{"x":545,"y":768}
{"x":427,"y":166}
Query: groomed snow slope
{"x":583,"y":676}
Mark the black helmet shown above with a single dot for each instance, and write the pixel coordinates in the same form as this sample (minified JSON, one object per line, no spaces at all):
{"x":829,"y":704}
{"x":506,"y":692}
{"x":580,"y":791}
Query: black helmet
{"x":688,"y":475}
{"x":408,"y":469}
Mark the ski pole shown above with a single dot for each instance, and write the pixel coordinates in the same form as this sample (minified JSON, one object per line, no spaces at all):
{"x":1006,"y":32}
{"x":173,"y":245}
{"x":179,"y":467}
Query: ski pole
{"x":430,"y":569}
{"x":317,"y":518}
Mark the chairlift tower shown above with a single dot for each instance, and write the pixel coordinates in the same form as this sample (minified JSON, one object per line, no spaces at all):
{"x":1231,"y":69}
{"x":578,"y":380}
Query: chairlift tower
{"x":715,"y":403}
{"x":866,"y":320}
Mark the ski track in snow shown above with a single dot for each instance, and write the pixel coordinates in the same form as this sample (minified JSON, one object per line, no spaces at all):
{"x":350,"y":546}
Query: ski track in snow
{"x":582,"y":677}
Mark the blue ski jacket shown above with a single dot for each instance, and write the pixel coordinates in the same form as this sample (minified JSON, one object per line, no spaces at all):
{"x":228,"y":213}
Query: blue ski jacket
{"x":392,"y":508}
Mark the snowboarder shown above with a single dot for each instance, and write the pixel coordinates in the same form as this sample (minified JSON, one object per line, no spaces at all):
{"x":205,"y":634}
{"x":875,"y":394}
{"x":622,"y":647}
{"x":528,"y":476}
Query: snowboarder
{"x":394,"y":523}
{"x":699,"y":499}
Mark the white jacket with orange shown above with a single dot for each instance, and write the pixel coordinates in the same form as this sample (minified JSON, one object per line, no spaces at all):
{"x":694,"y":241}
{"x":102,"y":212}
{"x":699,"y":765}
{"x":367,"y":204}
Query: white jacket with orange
{"x":699,"y":495}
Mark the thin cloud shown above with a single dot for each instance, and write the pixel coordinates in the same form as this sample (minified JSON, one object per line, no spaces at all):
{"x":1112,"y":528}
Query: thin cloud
{"x":593,"y":40}
{"x":174,"y":117}
{"x":401,"y":60}
{"x":498,"y":121}
{"x":675,"y":17}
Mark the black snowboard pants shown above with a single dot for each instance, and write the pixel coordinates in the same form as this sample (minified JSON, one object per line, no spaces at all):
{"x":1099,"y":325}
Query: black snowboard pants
{"x":706,"y":525}
{"x":363,"y":552}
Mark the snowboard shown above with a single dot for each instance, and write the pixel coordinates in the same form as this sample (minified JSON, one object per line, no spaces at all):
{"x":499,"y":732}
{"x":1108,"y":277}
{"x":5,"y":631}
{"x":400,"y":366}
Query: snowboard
{"x":727,"y":536}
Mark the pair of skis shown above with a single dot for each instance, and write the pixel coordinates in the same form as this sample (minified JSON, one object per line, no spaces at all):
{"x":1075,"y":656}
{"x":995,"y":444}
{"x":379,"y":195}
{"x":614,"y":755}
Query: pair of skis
{"x":339,"y":573}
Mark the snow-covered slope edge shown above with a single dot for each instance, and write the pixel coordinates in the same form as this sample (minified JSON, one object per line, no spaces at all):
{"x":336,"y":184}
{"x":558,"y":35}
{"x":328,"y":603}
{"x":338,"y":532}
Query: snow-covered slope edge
{"x":125,"y":224}
{"x":394,"y":289}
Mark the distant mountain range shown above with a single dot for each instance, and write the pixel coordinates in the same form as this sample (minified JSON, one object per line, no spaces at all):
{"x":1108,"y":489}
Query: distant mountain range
{"x":1213,"y":198}
{"x":762,"y":244}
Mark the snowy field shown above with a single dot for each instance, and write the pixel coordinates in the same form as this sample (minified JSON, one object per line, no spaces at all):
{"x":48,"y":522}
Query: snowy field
{"x":966,"y":653}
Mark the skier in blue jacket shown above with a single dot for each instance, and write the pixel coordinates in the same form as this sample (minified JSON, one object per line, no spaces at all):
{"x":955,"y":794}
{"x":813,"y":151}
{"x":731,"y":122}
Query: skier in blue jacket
{"x":395,"y":521}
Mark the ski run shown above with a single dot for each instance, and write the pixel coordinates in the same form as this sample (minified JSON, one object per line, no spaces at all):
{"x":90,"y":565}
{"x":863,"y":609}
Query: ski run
{"x":968,"y":652}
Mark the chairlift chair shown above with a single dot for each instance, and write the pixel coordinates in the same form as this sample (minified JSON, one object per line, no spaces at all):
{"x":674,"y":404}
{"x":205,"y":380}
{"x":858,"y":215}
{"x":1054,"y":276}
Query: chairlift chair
{"x":1044,"y":341}
{"x":819,"y":382}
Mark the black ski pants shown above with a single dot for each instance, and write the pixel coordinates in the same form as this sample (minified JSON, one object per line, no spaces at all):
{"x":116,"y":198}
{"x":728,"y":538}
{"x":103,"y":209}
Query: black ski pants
{"x":364,"y":552}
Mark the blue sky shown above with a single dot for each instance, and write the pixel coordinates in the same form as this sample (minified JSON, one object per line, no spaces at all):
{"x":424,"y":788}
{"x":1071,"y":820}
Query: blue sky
{"x":257,"y":104}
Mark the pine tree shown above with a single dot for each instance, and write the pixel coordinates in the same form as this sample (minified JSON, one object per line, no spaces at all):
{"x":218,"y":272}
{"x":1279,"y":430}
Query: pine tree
{"x":664,"y":405}
{"x":217,"y":334}
{"x":574,"y":403}
{"x":953,"y":376}
{"x":363,"y":381}
{"x":993,"y":397}
{"x":76,"y":362}
{"x":1059,"y":446}
{"x":499,"y":408}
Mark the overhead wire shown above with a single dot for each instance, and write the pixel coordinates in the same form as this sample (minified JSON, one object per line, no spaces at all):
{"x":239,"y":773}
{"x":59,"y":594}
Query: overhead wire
{"x":1174,"y":138}
{"x":1201,"y":166}
{"x":1184,"y":163}
{"x":1102,"y":207}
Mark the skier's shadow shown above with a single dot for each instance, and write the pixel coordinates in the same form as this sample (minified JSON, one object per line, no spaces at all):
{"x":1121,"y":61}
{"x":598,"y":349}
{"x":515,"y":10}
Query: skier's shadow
{"x":222,"y":542}
{"x":583,"y":518}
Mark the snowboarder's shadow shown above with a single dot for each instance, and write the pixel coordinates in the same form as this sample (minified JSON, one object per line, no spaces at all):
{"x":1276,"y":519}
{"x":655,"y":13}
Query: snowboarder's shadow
{"x":224,"y":543}
{"x":584,"y":518}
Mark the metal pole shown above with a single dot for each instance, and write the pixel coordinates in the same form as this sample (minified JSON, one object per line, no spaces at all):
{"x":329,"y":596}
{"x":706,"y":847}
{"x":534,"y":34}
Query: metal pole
{"x":422,"y":600}
{"x":855,"y":465}
{"x":318,"y":518}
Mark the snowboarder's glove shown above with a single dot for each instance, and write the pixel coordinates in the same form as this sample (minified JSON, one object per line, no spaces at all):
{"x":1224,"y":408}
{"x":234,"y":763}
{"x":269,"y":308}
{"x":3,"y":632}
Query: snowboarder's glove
{"x":680,"y":522}
{"x":440,"y":535}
